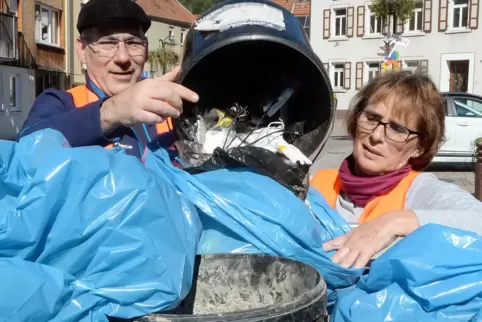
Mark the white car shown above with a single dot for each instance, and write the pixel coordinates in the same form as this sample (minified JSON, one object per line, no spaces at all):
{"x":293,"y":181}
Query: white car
{"x":463,"y":125}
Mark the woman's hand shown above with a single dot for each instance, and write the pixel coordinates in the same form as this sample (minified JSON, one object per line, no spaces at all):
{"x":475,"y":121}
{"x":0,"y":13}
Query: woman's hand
{"x":359,"y":245}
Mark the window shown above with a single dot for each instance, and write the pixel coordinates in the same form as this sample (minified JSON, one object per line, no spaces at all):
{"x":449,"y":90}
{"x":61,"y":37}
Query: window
{"x":463,"y":108}
{"x":46,"y":25}
{"x":14,"y":94}
{"x":340,"y":22}
{"x":411,"y":65}
{"x":415,"y":23}
{"x":373,"y":70}
{"x":459,"y":15}
{"x":171,"y":32}
{"x":305,"y":23}
{"x":375,"y":23}
{"x":338,"y":76}
{"x":183,"y":31}
{"x":13,"y":5}
{"x":468,"y":107}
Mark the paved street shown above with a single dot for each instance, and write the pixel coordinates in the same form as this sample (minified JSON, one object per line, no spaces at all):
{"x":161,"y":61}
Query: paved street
{"x":339,"y":146}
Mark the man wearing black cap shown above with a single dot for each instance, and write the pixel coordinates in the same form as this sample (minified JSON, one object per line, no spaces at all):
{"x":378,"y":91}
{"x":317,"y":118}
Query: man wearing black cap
{"x":115,"y":108}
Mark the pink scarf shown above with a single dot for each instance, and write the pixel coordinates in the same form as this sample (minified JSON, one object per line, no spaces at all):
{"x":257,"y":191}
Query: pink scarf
{"x":360,"y":190}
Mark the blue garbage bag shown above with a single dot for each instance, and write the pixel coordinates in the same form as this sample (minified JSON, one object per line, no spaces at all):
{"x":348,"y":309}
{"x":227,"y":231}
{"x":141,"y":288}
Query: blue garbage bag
{"x":439,"y":281}
{"x":245,"y":212}
{"x":87,"y":233}
{"x":242,"y":211}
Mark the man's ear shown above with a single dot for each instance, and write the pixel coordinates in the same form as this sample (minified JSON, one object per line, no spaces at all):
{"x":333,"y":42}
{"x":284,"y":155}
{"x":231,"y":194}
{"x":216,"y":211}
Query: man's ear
{"x":80,"y":49}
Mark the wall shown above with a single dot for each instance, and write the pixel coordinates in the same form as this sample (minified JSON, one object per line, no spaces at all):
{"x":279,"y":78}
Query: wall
{"x":11,"y":121}
{"x":78,"y":76}
{"x":431,"y":45}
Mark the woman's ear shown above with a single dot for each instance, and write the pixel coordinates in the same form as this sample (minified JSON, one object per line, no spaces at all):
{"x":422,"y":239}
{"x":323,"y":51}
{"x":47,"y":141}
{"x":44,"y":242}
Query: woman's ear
{"x":418,"y":153}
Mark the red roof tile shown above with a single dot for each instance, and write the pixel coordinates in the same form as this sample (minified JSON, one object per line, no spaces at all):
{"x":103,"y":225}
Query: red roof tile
{"x":295,"y":7}
{"x":167,"y":9}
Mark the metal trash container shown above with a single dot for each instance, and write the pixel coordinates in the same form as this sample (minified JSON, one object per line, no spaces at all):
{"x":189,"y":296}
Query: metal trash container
{"x":236,"y":287}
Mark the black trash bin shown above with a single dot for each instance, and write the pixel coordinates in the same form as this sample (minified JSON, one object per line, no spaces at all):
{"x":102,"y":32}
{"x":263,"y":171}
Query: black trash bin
{"x":249,"y":51}
{"x":235,"y":287}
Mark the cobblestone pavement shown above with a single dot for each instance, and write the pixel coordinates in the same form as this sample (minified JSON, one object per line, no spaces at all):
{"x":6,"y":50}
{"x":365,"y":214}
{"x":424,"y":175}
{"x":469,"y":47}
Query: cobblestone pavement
{"x":339,"y":146}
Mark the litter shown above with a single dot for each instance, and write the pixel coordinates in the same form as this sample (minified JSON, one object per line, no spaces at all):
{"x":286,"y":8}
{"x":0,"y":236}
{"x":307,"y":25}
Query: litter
{"x":234,"y":137}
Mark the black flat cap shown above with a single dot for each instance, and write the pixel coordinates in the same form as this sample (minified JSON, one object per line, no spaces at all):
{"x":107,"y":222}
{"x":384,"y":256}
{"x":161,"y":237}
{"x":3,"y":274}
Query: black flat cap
{"x":96,"y":13}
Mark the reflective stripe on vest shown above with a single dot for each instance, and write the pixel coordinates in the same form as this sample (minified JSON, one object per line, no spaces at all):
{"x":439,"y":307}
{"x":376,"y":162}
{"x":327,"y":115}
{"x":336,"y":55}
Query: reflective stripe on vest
{"x":328,"y":183}
{"x":82,"y":96}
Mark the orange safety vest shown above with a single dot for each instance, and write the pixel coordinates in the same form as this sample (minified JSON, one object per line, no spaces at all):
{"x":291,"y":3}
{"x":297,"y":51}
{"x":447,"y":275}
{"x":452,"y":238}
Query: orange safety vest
{"x":328,"y":183}
{"x":82,"y":96}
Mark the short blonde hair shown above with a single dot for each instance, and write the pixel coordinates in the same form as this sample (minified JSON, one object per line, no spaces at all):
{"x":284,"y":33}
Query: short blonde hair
{"x":414,"y":95}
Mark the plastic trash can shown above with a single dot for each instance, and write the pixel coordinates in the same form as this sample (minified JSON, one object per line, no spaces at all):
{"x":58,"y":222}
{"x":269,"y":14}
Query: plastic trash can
{"x":248,"y":52}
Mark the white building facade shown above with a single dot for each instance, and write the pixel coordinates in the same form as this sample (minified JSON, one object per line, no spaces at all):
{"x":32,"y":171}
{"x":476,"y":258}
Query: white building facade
{"x":444,"y":36}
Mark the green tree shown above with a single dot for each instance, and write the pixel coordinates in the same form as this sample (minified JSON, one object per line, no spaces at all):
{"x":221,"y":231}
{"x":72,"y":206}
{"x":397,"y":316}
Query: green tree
{"x":400,"y":9}
{"x":162,"y":59}
{"x":199,"y":6}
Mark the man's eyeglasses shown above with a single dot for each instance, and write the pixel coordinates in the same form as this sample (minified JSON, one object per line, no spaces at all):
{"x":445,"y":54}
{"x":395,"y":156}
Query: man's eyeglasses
{"x":108,"y":48}
{"x":393,"y":131}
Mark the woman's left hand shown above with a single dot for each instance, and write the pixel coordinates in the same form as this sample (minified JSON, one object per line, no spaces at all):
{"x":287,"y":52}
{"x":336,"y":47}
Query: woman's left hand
{"x":359,"y":245}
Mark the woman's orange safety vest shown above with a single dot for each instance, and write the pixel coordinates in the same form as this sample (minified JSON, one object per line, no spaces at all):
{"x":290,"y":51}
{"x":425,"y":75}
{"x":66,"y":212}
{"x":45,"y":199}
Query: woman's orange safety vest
{"x":83,"y":96}
{"x":328,"y":183}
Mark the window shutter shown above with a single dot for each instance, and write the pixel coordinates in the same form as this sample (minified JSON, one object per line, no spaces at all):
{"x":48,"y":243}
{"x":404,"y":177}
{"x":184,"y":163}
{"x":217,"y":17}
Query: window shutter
{"x":326,"y":23}
{"x":347,"y":72}
{"x":424,"y":66}
{"x":326,"y":67}
{"x":474,"y":14}
{"x":359,"y":75}
{"x":427,"y":16}
{"x":442,"y":15}
{"x":350,"y":12}
{"x":360,"y":29}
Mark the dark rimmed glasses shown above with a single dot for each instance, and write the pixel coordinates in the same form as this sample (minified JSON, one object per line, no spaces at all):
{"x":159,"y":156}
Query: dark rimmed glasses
{"x":393,"y":131}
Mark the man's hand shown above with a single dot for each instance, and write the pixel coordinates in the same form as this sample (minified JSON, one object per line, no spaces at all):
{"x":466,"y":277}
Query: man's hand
{"x":150,"y":101}
{"x":358,"y":246}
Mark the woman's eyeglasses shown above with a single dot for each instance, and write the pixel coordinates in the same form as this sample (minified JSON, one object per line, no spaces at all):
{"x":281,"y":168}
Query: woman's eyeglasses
{"x":393,"y":131}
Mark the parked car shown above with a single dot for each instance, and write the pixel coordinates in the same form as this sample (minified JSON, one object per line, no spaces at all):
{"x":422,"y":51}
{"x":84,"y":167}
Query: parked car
{"x":463,"y":125}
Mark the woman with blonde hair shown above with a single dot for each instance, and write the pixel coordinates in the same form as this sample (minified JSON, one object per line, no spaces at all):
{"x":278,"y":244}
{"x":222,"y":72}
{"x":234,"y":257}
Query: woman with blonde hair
{"x":397,"y":123}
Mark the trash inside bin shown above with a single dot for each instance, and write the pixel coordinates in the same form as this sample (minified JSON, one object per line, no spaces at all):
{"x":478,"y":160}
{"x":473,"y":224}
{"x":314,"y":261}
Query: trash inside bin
{"x":260,"y":84}
{"x":236,"y":287}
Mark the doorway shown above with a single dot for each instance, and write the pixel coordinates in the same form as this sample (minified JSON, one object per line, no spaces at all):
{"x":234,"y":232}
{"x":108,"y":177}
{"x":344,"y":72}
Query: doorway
{"x":457,"y":72}
{"x":459,"y":75}
{"x":48,"y":79}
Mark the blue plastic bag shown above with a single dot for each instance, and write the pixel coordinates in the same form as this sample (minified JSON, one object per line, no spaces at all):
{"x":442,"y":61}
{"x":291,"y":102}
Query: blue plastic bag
{"x":439,"y":281}
{"x":245,"y":212}
{"x":87,"y":232}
